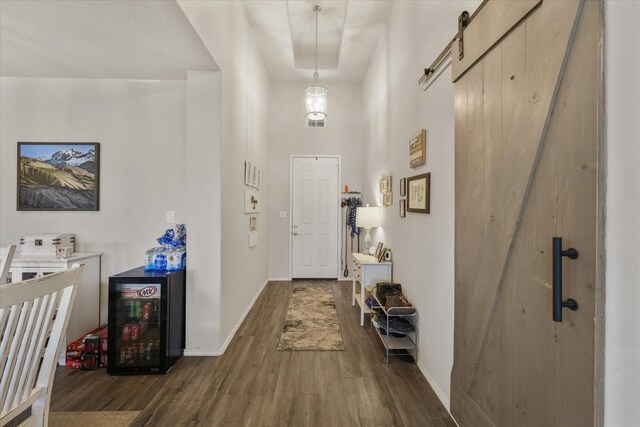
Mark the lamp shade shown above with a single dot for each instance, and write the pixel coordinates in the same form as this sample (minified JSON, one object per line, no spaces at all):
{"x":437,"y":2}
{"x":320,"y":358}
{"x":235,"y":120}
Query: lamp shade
{"x":368,"y":217}
{"x":316,"y":102}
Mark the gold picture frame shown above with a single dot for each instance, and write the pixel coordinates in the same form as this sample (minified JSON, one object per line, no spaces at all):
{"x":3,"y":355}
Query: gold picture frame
{"x":418,"y":149}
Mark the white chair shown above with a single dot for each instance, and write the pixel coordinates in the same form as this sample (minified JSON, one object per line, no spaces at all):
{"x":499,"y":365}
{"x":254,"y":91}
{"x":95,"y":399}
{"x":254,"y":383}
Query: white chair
{"x":6,"y":256}
{"x":33,"y":318}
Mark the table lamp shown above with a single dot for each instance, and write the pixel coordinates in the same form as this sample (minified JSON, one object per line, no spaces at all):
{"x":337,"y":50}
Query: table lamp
{"x":367,"y":218}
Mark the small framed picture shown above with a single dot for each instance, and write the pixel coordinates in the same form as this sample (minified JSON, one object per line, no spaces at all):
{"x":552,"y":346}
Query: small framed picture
{"x":418,"y":149}
{"x":403,"y":187}
{"x":403,"y":208}
{"x":247,"y":173}
{"x":253,"y":223}
{"x":418,"y":193}
{"x":387,"y":199}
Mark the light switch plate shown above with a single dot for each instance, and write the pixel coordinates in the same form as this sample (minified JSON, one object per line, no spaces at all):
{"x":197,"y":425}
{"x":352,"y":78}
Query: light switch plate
{"x":171,"y":216}
{"x":283,"y":214}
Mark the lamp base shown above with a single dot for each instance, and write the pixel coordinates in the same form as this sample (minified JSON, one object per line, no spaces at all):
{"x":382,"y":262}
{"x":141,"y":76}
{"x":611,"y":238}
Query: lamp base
{"x":367,"y":241}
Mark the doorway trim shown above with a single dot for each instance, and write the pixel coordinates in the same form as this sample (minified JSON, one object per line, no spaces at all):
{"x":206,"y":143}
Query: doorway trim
{"x":339,"y":228}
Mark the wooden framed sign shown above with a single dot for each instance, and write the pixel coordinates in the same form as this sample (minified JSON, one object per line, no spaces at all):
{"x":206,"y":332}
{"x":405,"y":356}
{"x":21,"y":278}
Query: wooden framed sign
{"x":418,"y":149}
{"x":419,"y":193}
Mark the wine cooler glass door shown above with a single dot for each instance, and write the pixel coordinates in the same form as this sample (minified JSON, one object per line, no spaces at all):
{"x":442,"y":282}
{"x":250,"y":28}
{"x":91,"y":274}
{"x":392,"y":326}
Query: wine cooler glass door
{"x":138,"y":326}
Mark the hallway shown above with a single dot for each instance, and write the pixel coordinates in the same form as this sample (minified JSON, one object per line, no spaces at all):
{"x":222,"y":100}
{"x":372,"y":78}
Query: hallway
{"x":253,"y":384}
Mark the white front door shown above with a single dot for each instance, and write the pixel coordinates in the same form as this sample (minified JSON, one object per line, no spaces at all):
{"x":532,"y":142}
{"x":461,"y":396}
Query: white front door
{"x":314,"y":217}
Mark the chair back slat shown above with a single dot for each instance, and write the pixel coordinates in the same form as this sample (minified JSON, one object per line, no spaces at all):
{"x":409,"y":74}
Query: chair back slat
{"x":8,"y":331}
{"x":27,"y":349}
{"x":35,"y":349}
{"x":6,"y":256}
{"x":20,"y":354}
{"x":33,"y":318}
{"x":12,"y":359}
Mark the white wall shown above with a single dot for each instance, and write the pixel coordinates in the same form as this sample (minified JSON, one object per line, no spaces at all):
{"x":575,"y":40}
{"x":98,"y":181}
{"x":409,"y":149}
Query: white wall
{"x":289,"y":134}
{"x":225,"y":31}
{"x":394,"y":110}
{"x":622,"y":330}
{"x":141,"y":130}
{"x":203,"y":195}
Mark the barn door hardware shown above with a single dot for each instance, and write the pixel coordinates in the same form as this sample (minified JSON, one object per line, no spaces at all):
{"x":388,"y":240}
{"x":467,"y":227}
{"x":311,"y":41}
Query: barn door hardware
{"x":463,"y":21}
{"x":558,"y":304}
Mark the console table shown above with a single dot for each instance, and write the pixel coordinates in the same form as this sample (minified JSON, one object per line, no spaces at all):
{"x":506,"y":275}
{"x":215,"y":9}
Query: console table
{"x":85,"y":314}
{"x":367,"y":271}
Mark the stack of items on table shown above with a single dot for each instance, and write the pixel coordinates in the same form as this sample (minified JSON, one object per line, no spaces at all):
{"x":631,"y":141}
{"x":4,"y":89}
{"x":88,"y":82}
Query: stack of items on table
{"x":89,"y":352}
{"x":389,"y":296}
{"x":172,"y":255}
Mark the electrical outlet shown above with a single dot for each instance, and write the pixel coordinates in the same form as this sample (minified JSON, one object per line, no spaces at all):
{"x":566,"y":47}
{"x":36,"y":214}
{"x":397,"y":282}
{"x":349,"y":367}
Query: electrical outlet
{"x":283,"y":214}
{"x":171,"y":216}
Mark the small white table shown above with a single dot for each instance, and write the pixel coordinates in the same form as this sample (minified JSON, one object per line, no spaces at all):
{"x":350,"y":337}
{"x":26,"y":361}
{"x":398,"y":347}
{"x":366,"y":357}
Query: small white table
{"x":367,"y":271}
{"x":85,"y":314}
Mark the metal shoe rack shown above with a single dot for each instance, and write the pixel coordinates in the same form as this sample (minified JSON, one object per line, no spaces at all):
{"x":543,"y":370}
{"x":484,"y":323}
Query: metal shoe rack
{"x":396,"y":346}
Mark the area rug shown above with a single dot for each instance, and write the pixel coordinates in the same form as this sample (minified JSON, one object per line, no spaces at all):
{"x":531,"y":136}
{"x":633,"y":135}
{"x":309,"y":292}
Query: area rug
{"x":93,"y":419}
{"x":311,"y":322}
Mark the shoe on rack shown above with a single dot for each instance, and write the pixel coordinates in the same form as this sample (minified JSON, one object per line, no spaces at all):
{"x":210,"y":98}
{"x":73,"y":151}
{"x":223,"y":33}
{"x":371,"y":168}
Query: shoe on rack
{"x":400,"y":325}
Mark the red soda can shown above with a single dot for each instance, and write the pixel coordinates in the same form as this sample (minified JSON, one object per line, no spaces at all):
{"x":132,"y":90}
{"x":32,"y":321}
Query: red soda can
{"x":128,"y":355}
{"x":126,"y":333}
{"x":135,"y":332}
{"x":141,"y":352}
{"x":146,"y":311}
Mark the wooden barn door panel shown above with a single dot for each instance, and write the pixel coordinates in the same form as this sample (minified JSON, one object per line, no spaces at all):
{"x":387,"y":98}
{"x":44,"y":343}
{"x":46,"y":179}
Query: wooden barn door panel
{"x":526,"y":162}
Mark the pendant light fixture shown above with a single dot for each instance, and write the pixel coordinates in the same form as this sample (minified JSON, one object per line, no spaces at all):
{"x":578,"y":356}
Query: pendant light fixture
{"x":316,"y":95}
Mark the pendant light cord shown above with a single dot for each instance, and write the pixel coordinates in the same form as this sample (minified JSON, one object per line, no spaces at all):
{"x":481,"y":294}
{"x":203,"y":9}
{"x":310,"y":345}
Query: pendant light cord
{"x":317,"y":10}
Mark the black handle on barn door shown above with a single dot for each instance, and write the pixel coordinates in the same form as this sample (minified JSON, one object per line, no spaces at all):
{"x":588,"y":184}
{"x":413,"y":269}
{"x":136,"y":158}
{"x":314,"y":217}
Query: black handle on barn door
{"x":558,"y":304}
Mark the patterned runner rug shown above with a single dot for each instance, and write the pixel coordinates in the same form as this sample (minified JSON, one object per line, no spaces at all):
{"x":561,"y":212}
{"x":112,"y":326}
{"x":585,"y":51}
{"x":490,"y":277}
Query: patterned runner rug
{"x":312,"y":322}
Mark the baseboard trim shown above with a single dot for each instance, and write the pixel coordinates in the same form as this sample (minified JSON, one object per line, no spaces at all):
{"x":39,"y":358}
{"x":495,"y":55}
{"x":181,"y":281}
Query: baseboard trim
{"x":443,"y":398}
{"x":279,"y":279}
{"x":201,"y":353}
{"x":221,"y":351}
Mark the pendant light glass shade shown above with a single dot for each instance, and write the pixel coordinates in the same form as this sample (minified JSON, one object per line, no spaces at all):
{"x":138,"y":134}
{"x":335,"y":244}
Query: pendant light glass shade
{"x":316,"y":100}
{"x":316,"y":95}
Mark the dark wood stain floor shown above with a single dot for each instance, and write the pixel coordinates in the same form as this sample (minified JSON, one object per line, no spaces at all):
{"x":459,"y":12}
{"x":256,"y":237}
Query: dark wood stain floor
{"x":253,"y":384}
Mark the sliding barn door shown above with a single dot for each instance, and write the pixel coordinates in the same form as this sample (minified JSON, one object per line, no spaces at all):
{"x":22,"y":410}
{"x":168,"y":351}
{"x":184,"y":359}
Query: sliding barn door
{"x":527,"y":94}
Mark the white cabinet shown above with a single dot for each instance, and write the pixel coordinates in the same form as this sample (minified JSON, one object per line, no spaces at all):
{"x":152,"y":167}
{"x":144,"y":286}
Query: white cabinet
{"x":85,"y":314}
{"x":367,"y":271}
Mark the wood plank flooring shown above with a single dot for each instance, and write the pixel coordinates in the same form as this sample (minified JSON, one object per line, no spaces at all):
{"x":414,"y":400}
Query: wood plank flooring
{"x":253,"y":384}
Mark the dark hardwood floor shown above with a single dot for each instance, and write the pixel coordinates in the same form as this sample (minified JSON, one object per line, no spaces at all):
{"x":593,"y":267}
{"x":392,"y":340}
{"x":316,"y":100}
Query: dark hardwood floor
{"x":253,"y":384}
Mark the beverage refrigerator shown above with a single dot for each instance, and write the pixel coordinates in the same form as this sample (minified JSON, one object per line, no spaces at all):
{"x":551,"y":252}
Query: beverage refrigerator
{"x":146,"y":321}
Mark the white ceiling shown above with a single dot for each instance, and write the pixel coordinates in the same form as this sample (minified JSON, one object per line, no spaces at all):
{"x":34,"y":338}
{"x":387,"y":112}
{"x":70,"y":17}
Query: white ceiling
{"x":99,"y":39}
{"x":348,"y":34}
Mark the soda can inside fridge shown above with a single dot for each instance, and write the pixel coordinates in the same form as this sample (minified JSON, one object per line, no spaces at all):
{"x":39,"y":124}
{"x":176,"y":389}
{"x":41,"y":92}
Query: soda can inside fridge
{"x":146,"y":321}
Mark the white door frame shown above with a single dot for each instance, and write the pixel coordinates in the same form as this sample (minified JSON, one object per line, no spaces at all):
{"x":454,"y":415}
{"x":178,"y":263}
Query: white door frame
{"x":339,"y":231}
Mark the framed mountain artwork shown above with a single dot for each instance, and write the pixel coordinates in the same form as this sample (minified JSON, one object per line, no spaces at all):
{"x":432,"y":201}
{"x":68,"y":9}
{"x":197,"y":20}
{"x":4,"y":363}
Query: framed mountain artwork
{"x":58,"y":176}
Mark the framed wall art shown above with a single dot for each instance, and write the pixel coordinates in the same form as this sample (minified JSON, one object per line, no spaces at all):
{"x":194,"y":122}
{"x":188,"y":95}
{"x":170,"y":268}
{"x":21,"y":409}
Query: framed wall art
{"x":403,"y":207}
{"x":418,"y":149}
{"x":387,"y":199}
{"x":386,"y":191}
{"x":403,"y":187}
{"x":251,"y":202}
{"x":58,"y":176}
{"x":419,"y":193}
{"x":252,"y":175}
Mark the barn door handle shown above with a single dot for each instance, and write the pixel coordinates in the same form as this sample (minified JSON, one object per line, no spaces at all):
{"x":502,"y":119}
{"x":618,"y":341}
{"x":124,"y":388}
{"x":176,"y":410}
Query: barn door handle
{"x":558,"y":304}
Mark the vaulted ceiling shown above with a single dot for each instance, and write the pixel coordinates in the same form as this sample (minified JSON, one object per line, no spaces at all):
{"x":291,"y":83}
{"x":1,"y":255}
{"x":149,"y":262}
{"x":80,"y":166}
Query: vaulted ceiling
{"x":348,"y":33}
{"x":99,"y":39}
{"x":114,"y":39}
